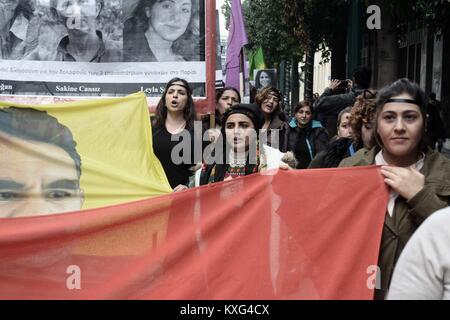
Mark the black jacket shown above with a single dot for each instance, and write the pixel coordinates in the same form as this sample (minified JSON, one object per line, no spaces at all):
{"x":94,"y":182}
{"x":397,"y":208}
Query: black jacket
{"x":336,"y":151}
{"x":316,"y":139}
{"x":328,"y":106}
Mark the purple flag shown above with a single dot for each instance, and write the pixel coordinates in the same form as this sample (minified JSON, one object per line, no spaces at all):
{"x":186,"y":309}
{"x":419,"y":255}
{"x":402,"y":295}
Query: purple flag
{"x":237,"y":38}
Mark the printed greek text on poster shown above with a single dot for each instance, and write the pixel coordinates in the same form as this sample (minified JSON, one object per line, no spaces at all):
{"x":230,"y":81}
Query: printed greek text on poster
{"x":100,"y":48}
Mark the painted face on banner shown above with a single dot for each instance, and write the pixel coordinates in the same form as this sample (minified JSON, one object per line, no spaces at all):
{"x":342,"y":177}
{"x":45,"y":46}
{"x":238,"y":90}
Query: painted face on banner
{"x":264,"y":79}
{"x":170,"y":18}
{"x":229,"y":98}
{"x":36,"y":178}
{"x":400,"y":127}
{"x":7,"y":8}
{"x":79,"y":15}
{"x":176,"y":97}
{"x":240,"y":132}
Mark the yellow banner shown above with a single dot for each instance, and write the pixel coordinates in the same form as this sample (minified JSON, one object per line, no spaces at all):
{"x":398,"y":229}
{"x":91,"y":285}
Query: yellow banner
{"x":76,"y":155}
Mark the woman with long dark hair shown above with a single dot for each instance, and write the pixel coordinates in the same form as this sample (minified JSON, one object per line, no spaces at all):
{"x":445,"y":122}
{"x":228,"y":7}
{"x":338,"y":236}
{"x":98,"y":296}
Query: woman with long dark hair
{"x":418,"y":178}
{"x":265,"y":78}
{"x":173,"y":122}
{"x":162,"y":30}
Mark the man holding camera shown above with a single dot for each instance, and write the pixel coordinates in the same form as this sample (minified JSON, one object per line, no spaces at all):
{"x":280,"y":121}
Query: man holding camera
{"x":339,"y":95}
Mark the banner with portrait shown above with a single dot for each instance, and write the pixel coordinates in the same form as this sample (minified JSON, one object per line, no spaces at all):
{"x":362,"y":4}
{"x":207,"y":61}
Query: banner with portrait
{"x":76,"y":155}
{"x":299,"y":234}
{"x":101,"y":48}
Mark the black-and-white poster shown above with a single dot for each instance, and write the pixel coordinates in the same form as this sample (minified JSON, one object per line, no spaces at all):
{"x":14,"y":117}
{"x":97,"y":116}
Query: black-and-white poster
{"x":100,"y":47}
{"x":265,"y":78}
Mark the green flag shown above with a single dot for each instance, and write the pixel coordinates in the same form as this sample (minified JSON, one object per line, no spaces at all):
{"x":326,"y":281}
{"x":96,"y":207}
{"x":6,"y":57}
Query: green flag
{"x":256,"y":61}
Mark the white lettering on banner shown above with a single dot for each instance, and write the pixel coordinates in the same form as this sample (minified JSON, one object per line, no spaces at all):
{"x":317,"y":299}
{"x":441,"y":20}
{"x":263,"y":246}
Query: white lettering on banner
{"x":88,"y":89}
{"x":66,"y":89}
{"x":150,"y":90}
{"x":5,"y":87}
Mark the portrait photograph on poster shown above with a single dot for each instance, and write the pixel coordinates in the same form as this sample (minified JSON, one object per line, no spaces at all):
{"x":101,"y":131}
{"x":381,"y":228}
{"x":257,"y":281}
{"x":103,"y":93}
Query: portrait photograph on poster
{"x":163,"y":31}
{"x":265,"y":78}
{"x":100,"y":48}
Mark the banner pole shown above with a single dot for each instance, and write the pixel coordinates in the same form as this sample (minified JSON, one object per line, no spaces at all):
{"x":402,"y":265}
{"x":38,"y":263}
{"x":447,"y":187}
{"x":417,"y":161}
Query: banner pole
{"x":211,"y":60}
{"x":242,"y":67}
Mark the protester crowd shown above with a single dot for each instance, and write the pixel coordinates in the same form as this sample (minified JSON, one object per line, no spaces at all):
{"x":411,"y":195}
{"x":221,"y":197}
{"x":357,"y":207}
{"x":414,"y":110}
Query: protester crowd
{"x":352,"y":126}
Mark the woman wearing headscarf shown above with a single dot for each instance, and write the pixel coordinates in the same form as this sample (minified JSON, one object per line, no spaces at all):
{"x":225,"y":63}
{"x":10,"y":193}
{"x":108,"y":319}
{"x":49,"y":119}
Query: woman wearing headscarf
{"x":239,"y":153}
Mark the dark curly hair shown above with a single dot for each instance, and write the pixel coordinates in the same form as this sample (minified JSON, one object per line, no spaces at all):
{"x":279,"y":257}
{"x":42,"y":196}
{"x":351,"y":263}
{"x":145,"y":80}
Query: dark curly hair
{"x":363,"y":111}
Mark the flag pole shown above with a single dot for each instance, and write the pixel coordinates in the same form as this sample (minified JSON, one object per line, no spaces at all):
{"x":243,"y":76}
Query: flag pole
{"x":242,"y":63}
{"x":211,"y":60}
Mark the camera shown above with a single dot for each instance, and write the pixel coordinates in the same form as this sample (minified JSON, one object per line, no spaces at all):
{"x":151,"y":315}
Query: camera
{"x":342,"y":87}
{"x":344,"y":84}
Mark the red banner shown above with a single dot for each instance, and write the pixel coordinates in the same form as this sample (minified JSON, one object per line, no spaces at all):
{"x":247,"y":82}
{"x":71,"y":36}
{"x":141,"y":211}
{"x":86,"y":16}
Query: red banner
{"x":306,"y":234}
